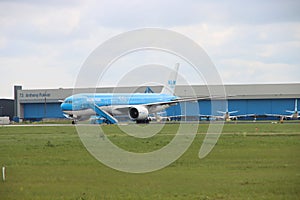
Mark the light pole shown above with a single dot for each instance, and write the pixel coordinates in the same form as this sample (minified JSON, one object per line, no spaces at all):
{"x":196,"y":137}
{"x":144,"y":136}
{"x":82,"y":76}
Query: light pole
{"x":45,"y":104}
{"x":185,"y":105}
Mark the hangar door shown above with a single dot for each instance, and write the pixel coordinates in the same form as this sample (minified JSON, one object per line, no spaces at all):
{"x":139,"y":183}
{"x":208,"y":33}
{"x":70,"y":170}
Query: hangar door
{"x":36,"y":111}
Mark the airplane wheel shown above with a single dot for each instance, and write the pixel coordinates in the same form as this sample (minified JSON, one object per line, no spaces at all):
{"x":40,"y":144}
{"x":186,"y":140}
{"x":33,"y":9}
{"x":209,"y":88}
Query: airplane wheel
{"x":145,"y":121}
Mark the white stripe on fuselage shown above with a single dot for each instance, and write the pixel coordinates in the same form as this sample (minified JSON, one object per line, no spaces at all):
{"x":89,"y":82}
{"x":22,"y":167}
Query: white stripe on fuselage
{"x":76,"y":113}
{"x":89,"y":112}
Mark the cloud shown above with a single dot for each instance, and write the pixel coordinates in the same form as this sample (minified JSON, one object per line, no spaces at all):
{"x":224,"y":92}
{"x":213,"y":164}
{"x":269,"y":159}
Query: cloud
{"x":38,"y":23}
{"x":122,"y":14}
{"x":235,"y":49}
{"x":253,"y":71}
{"x":250,"y":38}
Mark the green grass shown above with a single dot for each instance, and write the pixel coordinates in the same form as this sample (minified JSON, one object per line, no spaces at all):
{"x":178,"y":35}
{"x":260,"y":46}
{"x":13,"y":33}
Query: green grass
{"x":250,"y":161}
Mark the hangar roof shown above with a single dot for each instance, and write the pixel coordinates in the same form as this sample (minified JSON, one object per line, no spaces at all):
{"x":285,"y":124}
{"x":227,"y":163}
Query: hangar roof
{"x":251,"y":91}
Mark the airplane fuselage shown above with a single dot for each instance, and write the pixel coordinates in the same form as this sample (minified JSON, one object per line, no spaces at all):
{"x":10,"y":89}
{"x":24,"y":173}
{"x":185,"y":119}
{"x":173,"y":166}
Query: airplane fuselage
{"x":295,"y":115}
{"x":80,"y":104}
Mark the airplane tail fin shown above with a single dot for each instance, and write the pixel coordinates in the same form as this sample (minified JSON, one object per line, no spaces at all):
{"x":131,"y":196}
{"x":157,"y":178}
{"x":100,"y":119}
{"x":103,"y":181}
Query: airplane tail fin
{"x":169,"y":88}
{"x":295,"y":109}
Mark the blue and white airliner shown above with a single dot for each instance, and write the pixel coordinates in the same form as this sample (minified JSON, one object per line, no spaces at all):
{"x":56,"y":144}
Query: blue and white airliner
{"x":138,"y":106}
{"x":294,"y":114}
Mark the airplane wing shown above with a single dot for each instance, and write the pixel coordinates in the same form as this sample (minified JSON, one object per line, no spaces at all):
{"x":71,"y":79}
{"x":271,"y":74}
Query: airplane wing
{"x":181,"y":100}
{"x":212,"y":116}
{"x":274,"y":115}
{"x":118,"y":109}
{"x":280,"y":116}
{"x":246,"y":115}
{"x":230,"y":117}
{"x":110,"y":111}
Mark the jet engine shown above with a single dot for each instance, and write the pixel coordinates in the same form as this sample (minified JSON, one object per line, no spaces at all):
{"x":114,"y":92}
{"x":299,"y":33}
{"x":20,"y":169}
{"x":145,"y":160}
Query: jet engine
{"x":138,"y":113}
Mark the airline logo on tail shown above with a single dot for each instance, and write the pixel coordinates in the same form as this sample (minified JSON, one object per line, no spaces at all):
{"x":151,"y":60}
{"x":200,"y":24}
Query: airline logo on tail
{"x":172,"y":84}
{"x":170,"y":88}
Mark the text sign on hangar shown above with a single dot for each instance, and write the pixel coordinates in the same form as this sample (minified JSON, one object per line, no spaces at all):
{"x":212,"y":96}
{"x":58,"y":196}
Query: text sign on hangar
{"x":34,"y":95}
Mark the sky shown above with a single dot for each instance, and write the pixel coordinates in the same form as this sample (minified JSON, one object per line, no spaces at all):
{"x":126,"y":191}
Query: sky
{"x":43,"y":44}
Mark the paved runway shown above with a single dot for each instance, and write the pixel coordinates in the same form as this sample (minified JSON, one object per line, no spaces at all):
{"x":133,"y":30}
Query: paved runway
{"x":28,"y":125}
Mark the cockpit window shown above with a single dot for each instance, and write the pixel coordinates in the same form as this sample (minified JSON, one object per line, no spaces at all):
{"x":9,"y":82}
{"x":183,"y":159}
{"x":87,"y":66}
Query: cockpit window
{"x":68,"y":101}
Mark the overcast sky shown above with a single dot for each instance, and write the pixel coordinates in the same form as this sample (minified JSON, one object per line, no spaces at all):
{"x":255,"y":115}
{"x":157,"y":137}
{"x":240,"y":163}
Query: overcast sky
{"x":44,"y":43}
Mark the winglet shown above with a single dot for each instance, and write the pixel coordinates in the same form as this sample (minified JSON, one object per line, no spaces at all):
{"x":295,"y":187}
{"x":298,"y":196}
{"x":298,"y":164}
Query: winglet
{"x":169,"y":88}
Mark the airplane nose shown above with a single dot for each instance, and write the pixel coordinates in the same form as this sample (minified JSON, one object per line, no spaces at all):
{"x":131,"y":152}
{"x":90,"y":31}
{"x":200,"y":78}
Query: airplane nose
{"x":62,"y":105}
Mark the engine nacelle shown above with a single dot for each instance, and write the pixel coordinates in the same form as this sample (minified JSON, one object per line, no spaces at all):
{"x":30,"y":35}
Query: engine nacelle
{"x":138,"y":113}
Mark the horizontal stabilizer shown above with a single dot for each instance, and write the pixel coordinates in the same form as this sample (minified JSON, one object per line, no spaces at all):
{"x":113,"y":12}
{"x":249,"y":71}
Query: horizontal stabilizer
{"x":289,"y":111}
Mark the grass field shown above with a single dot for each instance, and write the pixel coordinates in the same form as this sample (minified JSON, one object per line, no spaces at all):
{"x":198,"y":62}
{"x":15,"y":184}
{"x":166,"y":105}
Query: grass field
{"x":250,"y":161}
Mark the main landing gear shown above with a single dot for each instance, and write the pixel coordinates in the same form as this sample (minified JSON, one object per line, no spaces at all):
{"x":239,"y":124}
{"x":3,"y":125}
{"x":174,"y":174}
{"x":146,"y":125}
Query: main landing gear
{"x":144,"y":121}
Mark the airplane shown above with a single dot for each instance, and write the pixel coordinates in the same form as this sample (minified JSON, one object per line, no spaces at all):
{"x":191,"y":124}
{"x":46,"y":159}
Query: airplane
{"x":294,"y":113}
{"x":226,"y":115}
{"x":162,"y":117}
{"x":159,"y":117}
{"x":138,"y":106}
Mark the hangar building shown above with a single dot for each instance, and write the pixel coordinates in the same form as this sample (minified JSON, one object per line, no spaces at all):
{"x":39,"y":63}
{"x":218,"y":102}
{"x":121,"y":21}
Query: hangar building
{"x":259,"y":99}
{"x":7,"y":108}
